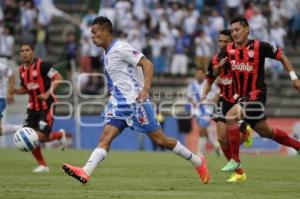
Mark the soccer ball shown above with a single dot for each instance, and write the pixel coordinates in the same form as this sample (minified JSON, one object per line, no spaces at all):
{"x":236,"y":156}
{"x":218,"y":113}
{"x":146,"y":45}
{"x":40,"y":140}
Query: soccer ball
{"x":26,"y":139}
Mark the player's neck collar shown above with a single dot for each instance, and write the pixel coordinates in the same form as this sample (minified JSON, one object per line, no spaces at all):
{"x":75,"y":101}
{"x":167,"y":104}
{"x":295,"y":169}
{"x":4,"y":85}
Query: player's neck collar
{"x":110,"y":45}
{"x":31,"y":63}
{"x":243,"y":46}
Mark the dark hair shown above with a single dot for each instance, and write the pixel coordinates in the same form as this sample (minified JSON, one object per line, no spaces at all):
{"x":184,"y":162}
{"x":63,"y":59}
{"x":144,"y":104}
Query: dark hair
{"x":243,"y":21}
{"x":226,"y":32}
{"x":103,"y":21}
{"x":200,"y":69}
{"x":24,"y":43}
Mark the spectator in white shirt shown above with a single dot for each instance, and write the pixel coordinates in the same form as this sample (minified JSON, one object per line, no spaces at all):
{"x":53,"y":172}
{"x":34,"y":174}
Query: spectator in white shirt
{"x":176,"y":14}
{"x":122,"y":7}
{"x":233,"y":7}
{"x":137,"y":39}
{"x":139,"y":10}
{"x":217,"y":24}
{"x":156,"y":14}
{"x":258,"y":26}
{"x":277,"y":34}
{"x":277,"y":11}
{"x":190,"y":20}
{"x":204,"y":49}
{"x":179,"y":64}
{"x":28,"y":17}
{"x":88,"y":17}
{"x":108,"y":11}
{"x":7,"y":42}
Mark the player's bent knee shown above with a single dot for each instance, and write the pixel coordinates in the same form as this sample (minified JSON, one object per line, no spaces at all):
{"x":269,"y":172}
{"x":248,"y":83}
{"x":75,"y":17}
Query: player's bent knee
{"x":230,"y":122}
{"x":265,"y":134}
{"x":231,"y":118}
{"x":167,"y":143}
{"x":43,"y":137}
{"x":159,"y":142}
{"x":263,"y":130}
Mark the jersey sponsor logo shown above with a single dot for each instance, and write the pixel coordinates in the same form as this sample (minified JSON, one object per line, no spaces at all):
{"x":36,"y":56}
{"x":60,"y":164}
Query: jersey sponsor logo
{"x":251,"y":53}
{"x":232,"y":51}
{"x":226,"y":81}
{"x":30,"y":105}
{"x":241,"y":66}
{"x":33,"y":86}
{"x":141,"y":116}
{"x":275,"y":49}
{"x":135,"y":53}
{"x":34,"y":73}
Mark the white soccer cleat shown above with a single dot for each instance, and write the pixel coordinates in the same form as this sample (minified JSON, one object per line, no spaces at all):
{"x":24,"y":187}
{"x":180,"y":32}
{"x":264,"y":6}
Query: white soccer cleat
{"x":41,"y":169}
{"x":63,"y":140}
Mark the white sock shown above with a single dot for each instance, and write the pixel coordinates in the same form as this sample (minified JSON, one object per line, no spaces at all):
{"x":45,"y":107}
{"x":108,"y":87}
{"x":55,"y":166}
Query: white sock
{"x":10,"y":128}
{"x":96,"y":157}
{"x":182,"y":151}
{"x":201,"y":145}
{"x":212,"y":137}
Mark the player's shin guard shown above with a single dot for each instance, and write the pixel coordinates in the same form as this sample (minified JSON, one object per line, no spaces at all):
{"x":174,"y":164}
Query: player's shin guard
{"x":97,"y":156}
{"x":234,"y":141}
{"x":38,"y":156}
{"x":282,"y":138}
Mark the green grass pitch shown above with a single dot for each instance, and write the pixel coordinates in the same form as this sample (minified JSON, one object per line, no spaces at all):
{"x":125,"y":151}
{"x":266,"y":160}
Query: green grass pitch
{"x":143,"y":175}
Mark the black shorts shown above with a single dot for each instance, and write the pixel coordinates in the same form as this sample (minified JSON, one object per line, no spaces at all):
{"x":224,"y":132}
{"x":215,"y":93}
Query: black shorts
{"x":223,"y":107}
{"x":254,"y":106}
{"x":40,"y":120}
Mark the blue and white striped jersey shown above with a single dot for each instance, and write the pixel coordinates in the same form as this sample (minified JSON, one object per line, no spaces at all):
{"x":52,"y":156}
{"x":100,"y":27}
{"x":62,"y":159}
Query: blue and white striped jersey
{"x":125,"y":78}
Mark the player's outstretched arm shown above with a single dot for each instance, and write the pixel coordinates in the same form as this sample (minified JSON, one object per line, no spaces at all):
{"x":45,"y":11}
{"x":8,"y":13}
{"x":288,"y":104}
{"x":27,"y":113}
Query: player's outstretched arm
{"x":147,"y":67}
{"x":20,"y":91}
{"x":55,"y":80}
{"x":289,"y":67}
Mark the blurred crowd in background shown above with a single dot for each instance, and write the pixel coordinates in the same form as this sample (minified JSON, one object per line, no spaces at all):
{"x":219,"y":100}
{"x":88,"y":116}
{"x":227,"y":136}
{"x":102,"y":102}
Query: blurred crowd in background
{"x":177,"y":35}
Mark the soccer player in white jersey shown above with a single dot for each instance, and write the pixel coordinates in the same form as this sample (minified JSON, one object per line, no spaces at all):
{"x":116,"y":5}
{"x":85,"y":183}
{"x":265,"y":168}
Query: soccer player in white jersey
{"x":129,"y":74}
{"x":203,"y":108}
{"x":6,"y":72}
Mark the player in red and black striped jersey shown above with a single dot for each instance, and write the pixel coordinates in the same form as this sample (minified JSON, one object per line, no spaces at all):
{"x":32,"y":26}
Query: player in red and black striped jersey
{"x":38,"y":80}
{"x":225,"y":78}
{"x":226,"y":102}
{"x":245,"y":58}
